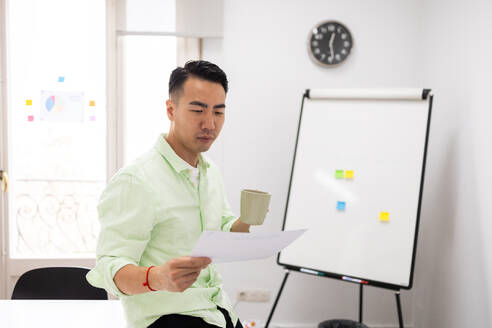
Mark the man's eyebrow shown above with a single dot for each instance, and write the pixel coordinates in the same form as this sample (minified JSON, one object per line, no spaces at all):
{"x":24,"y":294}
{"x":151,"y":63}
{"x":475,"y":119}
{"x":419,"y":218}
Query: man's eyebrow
{"x":199,"y":103}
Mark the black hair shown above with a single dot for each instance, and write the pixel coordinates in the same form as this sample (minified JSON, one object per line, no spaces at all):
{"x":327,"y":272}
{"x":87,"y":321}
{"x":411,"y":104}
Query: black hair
{"x":196,"y":68}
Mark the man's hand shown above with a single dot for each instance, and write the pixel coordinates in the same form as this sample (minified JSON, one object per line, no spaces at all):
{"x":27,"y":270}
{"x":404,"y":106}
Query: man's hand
{"x":240,"y":226}
{"x":177,"y":274}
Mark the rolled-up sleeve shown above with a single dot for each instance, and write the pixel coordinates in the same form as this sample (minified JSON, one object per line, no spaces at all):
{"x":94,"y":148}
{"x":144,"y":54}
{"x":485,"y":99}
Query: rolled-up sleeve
{"x":228,"y":218}
{"x":126,"y":214}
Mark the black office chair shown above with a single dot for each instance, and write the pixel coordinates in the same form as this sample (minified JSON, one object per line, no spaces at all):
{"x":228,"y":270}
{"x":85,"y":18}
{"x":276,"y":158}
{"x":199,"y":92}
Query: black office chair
{"x":57,"y":283}
{"x":341,"y":323}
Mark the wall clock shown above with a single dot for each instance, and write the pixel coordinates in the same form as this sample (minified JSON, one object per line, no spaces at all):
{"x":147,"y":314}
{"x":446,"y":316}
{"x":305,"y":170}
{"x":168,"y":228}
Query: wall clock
{"x":329,"y":43}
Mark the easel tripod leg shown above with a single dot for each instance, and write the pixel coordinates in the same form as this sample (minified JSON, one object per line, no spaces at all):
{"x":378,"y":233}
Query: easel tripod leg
{"x":277,"y":298}
{"x":398,"y":308}
{"x":361,"y":295}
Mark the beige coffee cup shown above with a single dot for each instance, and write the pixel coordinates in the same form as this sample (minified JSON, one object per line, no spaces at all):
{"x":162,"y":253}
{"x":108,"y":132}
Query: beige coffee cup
{"x":254,"y":206}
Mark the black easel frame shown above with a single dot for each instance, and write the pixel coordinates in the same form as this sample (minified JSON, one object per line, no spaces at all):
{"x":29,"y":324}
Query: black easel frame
{"x":426,"y":94}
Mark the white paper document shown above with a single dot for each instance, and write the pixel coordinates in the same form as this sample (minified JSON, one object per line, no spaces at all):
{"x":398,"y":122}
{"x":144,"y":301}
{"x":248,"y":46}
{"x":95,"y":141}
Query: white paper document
{"x":239,"y":246}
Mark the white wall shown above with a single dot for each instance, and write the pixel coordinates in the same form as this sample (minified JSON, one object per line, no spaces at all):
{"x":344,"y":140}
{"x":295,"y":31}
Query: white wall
{"x":264,"y":53}
{"x":454,"y":266}
{"x":441,"y":44}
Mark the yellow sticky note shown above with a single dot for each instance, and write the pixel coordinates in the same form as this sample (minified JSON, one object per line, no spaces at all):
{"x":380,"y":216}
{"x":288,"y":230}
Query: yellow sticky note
{"x":384,"y":216}
{"x":28,"y":102}
{"x":349,"y":174}
{"x":92,"y":103}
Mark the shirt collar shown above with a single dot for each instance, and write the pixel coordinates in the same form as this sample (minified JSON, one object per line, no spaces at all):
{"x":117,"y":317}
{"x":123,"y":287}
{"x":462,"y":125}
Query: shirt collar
{"x":179,"y":164}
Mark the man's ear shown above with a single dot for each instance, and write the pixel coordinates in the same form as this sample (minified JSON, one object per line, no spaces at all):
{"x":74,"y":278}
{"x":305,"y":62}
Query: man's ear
{"x":170,"y":108}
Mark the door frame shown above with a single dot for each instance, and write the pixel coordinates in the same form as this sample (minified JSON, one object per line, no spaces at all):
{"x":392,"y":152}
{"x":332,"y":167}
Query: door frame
{"x":3,"y":149}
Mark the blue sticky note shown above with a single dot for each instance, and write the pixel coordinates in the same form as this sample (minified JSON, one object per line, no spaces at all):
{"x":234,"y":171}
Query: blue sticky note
{"x":341,"y":206}
{"x":61,"y":79}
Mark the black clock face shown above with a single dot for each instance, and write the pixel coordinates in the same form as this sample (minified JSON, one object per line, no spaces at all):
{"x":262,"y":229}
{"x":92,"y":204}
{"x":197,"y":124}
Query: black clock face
{"x":330,"y":43}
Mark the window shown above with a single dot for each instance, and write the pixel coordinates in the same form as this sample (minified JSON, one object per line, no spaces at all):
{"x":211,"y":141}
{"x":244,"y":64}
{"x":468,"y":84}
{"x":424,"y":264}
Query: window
{"x":147,"y":63}
{"x":57,"y":124}
{"x":66,"y":133}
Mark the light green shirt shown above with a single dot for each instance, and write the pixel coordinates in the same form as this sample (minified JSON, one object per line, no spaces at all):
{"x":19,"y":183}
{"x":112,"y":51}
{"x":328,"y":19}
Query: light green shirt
{"x":151,"y":212}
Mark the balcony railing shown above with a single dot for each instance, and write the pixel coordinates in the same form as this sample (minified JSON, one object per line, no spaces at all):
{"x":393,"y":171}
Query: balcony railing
{"x":54,"y":218}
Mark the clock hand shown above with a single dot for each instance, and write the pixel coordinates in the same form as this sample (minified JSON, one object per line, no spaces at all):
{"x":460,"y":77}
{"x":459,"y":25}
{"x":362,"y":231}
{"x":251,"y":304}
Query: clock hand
{"x":332,"y":38}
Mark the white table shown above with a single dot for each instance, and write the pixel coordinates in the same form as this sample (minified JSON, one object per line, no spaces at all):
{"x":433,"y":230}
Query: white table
{"x":61,"y":313}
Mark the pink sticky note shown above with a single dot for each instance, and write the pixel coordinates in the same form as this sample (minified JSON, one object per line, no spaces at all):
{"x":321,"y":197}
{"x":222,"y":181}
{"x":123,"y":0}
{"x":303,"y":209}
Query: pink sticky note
{"x":92,"y":118}
{"x":30,"y":118}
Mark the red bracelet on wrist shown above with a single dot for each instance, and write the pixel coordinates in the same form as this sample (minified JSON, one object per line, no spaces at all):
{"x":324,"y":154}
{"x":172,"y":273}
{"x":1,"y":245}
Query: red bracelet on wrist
{"x":146,"y":283}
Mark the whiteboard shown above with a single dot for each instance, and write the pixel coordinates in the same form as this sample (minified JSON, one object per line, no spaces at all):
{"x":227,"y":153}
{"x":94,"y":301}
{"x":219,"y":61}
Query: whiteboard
{"x":378,"y":138}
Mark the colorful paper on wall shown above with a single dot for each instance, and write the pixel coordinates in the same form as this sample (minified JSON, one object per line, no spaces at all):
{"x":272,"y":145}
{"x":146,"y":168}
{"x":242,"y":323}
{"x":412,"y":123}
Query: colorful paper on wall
{"x":349,"y":174}
{"x":339,"y":174}
{"x":341,"y":206}
{"x":62,"y":106}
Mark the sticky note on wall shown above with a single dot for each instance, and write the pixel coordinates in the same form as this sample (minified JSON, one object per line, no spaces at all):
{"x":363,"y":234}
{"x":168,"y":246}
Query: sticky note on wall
{"x":92,"y":103}
{"x":61,"y":79}
{"x":384,"y":216}
{"x":339,"y":174}
{"x":28,"y":102}
{"x":341,"y":206}
{"x":349,"y":174}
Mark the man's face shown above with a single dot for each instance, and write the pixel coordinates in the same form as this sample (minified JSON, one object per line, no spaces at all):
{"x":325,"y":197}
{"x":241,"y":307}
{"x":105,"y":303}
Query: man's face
{"x":197,"y":115}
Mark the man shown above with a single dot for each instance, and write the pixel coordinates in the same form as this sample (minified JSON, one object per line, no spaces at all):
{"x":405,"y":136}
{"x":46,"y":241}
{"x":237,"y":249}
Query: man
{"x":153,"y":211}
